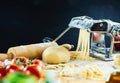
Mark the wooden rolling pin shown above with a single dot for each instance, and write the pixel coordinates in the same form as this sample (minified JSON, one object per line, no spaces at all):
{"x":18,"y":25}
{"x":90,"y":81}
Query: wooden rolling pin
{"x":29,"y":51}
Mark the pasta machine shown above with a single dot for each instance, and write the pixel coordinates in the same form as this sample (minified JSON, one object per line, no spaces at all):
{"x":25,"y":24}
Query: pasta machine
{"x":108,"y":39}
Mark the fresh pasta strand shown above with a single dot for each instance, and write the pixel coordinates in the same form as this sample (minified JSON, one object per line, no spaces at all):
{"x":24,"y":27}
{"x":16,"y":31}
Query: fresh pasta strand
{"x":79,"y":42}
{"x":88,"y":44}
{"x":84,"y":44}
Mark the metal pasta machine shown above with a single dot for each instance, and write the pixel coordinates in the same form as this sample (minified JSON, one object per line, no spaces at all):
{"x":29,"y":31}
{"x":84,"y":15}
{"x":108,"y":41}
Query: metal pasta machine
{"x":104,"y":35}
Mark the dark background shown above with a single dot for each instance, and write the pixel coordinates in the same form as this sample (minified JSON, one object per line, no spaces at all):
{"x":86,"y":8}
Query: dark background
{"x":29,"y":21}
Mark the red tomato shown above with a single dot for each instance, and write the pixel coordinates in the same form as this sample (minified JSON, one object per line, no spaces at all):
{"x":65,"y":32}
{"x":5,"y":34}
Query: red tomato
{"x":20,"y":60}
{"x":2,"y":72}
{"x":96,"y":37}
{"x":13,"y":68}
{"x":34,"y":69}
{"x":38,"y":62}
{"x":117,"y":45}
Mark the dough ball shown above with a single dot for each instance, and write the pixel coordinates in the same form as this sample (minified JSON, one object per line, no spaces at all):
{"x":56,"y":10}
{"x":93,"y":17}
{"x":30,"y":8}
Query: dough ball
{"x":56,"y":55}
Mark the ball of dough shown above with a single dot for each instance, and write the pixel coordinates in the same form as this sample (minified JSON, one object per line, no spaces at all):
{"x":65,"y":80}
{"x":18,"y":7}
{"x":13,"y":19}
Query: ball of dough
{"x":56,"y":54}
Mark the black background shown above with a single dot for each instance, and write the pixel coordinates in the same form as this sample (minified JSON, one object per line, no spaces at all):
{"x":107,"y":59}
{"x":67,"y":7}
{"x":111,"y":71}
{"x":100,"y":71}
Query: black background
{"x":29,"y":21}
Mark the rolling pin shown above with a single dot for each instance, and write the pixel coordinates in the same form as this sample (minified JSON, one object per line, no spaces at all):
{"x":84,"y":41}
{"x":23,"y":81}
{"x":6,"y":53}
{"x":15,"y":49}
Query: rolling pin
{"x":29,"y":51}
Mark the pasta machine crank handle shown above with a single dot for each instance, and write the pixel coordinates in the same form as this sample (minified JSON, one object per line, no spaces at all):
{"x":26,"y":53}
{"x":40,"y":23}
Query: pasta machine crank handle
{"x":59,"y":36}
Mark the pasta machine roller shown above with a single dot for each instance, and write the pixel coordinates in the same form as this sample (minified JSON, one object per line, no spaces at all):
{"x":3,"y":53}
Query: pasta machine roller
{"x":104,"y":35}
